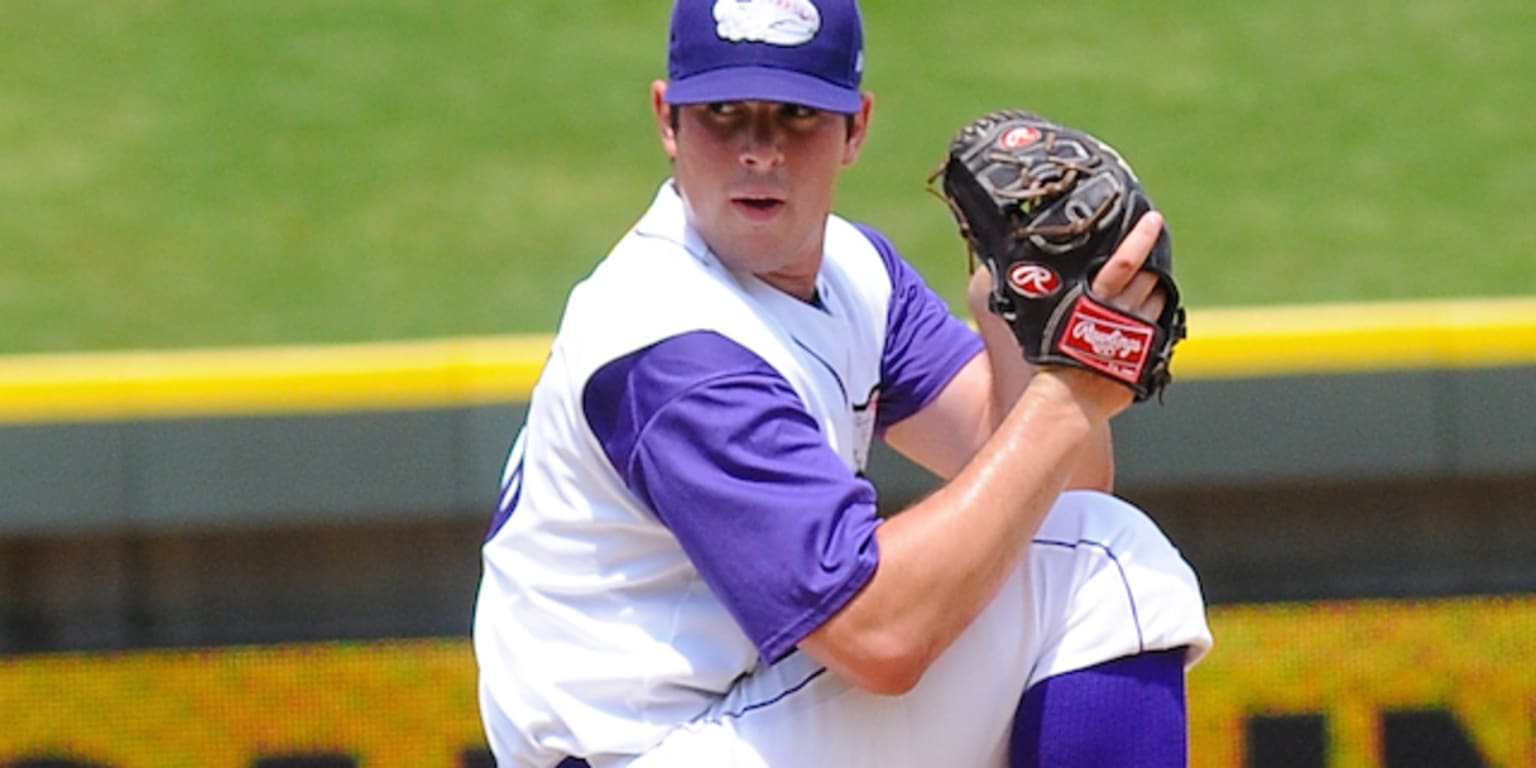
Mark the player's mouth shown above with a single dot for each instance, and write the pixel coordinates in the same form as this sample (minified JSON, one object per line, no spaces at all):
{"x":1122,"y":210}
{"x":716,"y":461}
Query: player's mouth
{"x":757,"y":208}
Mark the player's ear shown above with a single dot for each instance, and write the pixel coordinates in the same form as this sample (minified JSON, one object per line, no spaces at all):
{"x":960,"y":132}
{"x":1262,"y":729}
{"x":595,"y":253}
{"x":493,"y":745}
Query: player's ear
{"x":858,"y":128}
{"x":663,"y":113}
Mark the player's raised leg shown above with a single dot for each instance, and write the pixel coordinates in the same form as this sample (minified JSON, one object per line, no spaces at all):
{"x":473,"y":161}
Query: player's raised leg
{"x":1099,"y":568}
{"x":1109,"y":692}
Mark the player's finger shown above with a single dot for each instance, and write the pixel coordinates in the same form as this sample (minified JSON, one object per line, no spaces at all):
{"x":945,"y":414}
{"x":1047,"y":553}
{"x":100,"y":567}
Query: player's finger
{"x":1153,"y":308}
{"x":1142,"y":290}
{"x":1144,"y":297}
{"x":1128,"y":258}
{"x":1150,"y":306}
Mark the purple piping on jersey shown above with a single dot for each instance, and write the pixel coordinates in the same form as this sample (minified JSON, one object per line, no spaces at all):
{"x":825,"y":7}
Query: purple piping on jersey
{"x":782,"y":695}
{"x":504,"y":511}
{"x":1141,"y":645}
{"x":841,"y":387}
{"x":719,"y":447}
{"x":509,"y":501}
{"x":925,"y":345}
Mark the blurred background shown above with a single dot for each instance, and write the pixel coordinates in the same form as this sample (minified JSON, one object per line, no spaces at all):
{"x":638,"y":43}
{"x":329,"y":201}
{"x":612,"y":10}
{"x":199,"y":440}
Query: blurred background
{"x":275,"y":280}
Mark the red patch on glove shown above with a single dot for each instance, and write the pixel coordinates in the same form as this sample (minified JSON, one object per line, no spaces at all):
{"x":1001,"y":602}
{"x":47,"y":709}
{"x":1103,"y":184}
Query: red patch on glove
{"x":1107,"y":341}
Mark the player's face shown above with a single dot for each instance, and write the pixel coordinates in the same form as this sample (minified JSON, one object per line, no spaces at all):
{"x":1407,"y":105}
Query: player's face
{"x":758,"y":177}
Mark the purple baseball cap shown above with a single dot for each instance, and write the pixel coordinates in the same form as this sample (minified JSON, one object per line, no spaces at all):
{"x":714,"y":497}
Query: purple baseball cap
{"x":808,"y":52}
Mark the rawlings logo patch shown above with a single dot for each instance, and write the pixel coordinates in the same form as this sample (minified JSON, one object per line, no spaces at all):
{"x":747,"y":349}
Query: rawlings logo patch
{"x":1034,"y":281}
{"x":1021,"y":136}
{"x":1115,"y":344}
{"x":775,"y":22}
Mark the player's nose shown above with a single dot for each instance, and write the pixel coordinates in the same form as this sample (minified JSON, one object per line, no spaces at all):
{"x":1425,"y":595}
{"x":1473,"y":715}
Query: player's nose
{"x":762,"y":140}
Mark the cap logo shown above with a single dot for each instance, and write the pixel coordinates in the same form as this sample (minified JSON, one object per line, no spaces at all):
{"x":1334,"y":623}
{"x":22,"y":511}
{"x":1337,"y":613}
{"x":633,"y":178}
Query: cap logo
{"x":775,"y":22}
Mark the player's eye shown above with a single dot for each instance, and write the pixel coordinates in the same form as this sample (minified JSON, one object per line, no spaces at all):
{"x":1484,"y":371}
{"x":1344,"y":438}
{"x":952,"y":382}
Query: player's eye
{"x":800,"y":111}
{"x":724,"y":108}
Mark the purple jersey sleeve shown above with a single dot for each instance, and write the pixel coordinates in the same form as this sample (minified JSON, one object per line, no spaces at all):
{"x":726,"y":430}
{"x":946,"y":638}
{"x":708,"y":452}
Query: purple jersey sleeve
{"x":925,"y":345}
{"x":715,"y":442}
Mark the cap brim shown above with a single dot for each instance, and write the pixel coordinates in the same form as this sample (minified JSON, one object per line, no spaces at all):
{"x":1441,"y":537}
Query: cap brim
{"x":763,"y":84}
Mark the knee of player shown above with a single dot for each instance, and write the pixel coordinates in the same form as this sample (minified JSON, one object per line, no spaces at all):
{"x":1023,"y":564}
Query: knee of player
{"x":1101,"y":517}
{"x":1125,"y":573}
{"x":1102,"y":525}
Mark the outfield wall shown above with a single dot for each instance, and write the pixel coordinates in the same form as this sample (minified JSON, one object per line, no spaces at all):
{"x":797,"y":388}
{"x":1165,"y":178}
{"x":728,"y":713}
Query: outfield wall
{"x":153,"y":498}
{"x":360,"y":433}
{"x":1294,"y":434}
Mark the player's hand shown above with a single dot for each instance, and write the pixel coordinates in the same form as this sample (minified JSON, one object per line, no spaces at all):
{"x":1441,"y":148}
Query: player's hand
{"x":1122,"y":283}
{"x":978,"y":298}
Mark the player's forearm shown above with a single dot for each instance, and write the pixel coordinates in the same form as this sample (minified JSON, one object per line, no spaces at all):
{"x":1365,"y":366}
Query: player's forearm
{"x":1095,"y":470}
{"x":943,"y":559}
{"x":1011,"y":373}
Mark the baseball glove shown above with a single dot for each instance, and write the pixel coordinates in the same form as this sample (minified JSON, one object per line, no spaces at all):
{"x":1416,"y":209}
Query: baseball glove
{"x":1044,"y":206}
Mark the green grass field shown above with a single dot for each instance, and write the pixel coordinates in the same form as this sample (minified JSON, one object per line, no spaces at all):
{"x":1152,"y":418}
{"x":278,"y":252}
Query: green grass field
{"x":208,"y":173}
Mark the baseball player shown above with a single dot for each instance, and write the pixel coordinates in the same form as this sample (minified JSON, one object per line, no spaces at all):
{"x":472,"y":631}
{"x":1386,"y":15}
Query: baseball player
{"x":686,"y":567}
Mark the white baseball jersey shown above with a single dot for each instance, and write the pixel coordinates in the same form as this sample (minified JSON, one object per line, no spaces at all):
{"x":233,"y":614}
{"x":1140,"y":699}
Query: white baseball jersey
{"x":685,"y":501}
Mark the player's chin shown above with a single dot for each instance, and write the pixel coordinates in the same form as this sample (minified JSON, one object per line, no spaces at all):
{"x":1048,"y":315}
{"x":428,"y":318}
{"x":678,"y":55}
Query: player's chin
{"x":754,"y":250}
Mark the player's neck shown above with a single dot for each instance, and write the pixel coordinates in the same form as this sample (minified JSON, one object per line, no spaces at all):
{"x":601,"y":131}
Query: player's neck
{"x":802,"y":287}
